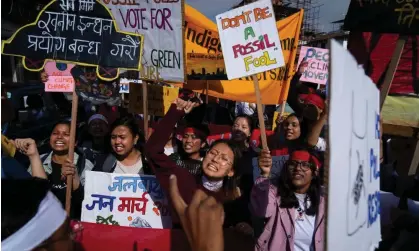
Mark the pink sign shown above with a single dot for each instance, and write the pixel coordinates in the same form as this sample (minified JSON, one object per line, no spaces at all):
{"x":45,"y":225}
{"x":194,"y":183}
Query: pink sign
{"x":318,"y":64}
{"x":59,"y":77}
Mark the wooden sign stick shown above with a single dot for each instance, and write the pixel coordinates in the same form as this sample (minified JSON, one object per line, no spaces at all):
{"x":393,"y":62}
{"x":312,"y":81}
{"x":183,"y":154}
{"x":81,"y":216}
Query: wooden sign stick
{"x":207,"y":88}
{"x":73,"y":128}
{"x":145,"y":110}
{"x":260,"y":112}
{"x":391,"y":71}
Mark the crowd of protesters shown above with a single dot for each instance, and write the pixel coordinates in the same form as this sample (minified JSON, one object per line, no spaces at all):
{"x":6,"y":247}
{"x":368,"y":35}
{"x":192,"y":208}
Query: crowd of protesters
{"x":285,"y":212}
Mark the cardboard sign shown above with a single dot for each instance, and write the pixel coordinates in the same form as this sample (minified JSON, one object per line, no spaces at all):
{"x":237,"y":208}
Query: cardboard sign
{"x":278,"y":162}
{"x":354,"y":172}
{"x":383,"y":16}
{"x":124,"y":84}
{"x":76,"y":31}
{"x":160,"y":22}
{"x":250,"y":40}
{"x":159,"y":99}
{"x":59,"y":77}
{"x":129,"y":200}
{"x":318,"y":64}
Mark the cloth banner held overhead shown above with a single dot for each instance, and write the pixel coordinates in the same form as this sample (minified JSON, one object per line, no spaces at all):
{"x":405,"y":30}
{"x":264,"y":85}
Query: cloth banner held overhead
{"x":353,"y":216}
{"x":201,"y":36}
{"x":125,"y":200}
{"x":160,"y":22}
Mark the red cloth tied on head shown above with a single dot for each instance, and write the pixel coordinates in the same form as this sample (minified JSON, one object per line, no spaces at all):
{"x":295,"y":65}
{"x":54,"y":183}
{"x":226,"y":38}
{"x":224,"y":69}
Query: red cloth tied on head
{"x":198,"y":133}
{"x":313,"y":99}
{"x":305,"y":156}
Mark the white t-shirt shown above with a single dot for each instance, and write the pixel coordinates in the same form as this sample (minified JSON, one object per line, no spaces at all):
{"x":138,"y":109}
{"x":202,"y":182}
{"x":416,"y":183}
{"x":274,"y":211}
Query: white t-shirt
{"x":321,"y":145}
{"x":137,"y":168}
{"x":304,"y":226}
{"x":170,"y":150}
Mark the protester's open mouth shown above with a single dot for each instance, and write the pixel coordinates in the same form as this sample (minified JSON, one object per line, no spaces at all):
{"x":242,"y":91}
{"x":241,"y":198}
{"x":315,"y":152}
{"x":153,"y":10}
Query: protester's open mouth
{"x":212,"y":167}
{"x":59,"y":144}
{"x":188,"y":147}
{"x":119,"y":148}
{"x":289,"y":133}
{"x":298,"y":176}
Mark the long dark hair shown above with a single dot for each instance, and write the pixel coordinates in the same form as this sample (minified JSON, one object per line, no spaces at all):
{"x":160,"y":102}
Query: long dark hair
{"x":230,"y":184}
{"x":132,"y":125}
{"x":239,"y":137}
{"x":249,"y":121}
{"x":278,"y":139}
{"x":286,"y":189}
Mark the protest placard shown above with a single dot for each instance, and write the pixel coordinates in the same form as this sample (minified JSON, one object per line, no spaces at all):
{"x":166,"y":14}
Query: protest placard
{"x":160,"y":22}
{"x":250,"y":40}
{"x":129,"y":200}
{"x":318,"y":64}
{"x":124,"y":84}
{"x":76,"y":31}
{"x":353,"y":216}
{"x":59,"y":77}
{"x":278,"y":162}
{"x":159,"y":99}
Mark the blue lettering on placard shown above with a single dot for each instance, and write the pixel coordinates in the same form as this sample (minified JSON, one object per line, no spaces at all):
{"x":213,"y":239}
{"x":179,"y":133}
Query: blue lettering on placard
{"x":374,"y":170}
{"x":377,"y":126}
{"x":373,"y":207}
{"x":102,"y":201}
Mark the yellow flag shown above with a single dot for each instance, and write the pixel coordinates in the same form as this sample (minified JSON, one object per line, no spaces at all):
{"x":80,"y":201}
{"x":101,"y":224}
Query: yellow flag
{"x":204,"y":58}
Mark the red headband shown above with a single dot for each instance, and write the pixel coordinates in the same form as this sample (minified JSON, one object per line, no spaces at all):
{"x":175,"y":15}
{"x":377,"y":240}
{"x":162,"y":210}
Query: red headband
{"x":305,"y":156}
{"x":314,"y":99}
{"x":195,"y":131}
{"x":301,"y":155}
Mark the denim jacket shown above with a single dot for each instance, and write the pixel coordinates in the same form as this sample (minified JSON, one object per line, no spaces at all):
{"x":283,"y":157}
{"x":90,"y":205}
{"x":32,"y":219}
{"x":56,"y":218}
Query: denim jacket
{"x":47,"y":158}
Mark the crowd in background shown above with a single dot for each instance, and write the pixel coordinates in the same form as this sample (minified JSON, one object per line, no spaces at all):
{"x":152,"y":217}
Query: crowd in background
{"x":281,"y":212}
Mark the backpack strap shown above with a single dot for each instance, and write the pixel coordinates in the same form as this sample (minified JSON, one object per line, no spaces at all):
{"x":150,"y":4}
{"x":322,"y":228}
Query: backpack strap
{"x":44,"y":157}
{"x":109,"y":164}
{"x":81,"y":161}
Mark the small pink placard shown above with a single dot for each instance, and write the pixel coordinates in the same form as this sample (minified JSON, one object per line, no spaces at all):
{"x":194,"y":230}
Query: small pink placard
{"x":59,"y":80}
{"x":59,"y":84}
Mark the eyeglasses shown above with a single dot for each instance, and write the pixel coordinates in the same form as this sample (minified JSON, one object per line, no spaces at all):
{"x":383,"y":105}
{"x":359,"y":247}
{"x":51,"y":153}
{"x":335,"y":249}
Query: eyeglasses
{"x":305,"y":165}
{"x":223,"y":158}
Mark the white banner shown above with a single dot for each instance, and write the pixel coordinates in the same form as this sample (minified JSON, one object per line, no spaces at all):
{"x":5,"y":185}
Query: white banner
{"x":354,"y":179}
{"x":161,"y":23}
{"x":250,"y":40}
{"x":126,"y":200}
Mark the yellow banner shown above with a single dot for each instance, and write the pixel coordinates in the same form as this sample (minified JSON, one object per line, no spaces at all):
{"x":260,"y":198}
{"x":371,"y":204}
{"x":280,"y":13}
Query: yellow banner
{"x":201,"y":37}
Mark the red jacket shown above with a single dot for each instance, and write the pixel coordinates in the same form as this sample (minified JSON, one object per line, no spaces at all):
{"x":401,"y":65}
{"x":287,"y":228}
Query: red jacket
{"x":163,"y":166}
